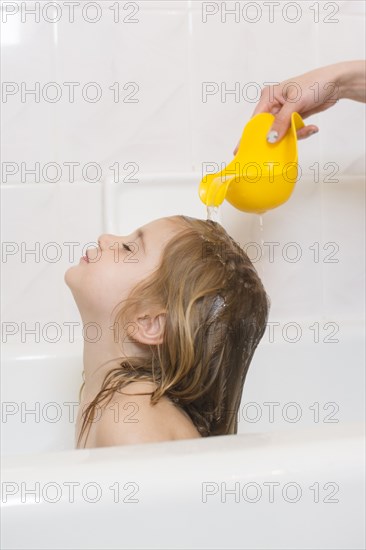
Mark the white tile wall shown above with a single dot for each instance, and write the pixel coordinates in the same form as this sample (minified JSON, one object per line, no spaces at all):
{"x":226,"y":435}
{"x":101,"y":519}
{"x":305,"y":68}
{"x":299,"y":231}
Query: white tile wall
{"x":28,"y":126}
{"x":130,"y":205}
{"x":169,"y":53}
{"x":150,"y":122}
{"x":33,"y":217}
{"x":344,"y":281}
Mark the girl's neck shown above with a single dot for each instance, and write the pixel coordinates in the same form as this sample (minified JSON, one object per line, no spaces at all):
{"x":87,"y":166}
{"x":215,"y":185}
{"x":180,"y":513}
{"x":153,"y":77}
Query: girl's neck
{"x":101,"y":356}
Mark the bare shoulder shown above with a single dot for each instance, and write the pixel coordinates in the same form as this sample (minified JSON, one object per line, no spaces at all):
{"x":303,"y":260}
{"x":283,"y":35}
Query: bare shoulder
{"x":131,"y":419}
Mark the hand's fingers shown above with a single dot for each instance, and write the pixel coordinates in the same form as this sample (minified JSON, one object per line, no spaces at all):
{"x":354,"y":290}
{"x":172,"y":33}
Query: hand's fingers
{"x":266,"y":106}
{"x":307,"y":131}
{"x":280,"y":124}
{"x":262,"y":107}
{"x":310,"y":112}
{"x":278,"y":130}
{"x":281,"y":111}
{"x":303,"y":133}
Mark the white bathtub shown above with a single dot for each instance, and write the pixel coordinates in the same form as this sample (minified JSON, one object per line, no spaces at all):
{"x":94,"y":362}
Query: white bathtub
{"x":292,"y":478}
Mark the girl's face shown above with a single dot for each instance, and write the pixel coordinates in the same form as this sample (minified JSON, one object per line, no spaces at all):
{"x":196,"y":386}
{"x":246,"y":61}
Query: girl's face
{"x":107,"y":274}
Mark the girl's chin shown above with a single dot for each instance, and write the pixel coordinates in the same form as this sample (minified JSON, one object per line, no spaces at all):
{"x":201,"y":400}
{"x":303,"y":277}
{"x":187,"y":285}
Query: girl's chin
{"x":70,"y":276}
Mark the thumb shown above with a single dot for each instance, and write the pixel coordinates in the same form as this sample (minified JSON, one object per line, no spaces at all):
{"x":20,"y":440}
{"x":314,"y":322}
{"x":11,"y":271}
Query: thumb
{"x":280,"y":125}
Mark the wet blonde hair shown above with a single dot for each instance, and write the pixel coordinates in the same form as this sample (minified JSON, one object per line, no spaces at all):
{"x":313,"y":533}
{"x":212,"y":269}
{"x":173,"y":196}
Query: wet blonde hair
{"x":216,"y":314}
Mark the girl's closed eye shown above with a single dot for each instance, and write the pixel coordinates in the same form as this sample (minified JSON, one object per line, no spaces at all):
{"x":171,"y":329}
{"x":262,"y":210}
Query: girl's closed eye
{"x":126,"y":247}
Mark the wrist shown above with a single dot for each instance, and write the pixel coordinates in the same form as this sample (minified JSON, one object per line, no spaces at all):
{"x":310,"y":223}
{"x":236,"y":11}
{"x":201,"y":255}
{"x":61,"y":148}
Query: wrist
{"x":351,"y":80}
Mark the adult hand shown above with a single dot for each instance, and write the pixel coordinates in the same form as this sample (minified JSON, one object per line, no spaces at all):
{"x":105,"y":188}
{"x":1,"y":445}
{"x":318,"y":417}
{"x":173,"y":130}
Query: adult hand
{"x":308,"y":94}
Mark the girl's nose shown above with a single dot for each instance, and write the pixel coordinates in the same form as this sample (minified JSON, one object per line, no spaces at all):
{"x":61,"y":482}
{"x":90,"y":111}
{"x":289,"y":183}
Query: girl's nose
{"x":106,"y":239}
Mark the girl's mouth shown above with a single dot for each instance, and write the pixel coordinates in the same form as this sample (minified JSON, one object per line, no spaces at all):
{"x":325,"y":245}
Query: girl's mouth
{"x":85,"y":258}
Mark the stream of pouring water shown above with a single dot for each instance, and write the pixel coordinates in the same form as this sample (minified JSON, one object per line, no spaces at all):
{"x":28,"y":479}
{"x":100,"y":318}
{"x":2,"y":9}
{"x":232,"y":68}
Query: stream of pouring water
{"x":262,"y":260}
{"x":213,"y":213}
{"x":261,"y":228}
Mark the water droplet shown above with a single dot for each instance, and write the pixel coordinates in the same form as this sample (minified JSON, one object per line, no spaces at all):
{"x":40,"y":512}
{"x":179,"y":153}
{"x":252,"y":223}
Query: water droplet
{"x":261,"y":230}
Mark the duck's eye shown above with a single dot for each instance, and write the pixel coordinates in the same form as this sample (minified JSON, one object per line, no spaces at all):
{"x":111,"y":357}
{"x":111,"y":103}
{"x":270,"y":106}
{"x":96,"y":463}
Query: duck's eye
{"x":127,"y":247}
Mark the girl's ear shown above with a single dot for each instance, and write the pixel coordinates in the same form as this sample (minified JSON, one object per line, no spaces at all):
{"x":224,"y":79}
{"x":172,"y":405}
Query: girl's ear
{"x":150,"y":329}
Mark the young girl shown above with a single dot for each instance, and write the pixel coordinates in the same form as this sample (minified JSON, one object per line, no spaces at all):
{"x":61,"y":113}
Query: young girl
{"x":174,"y":313}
